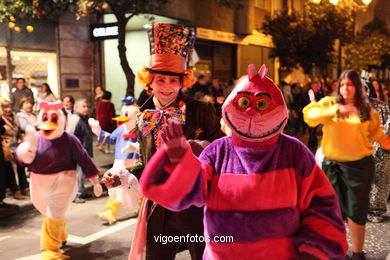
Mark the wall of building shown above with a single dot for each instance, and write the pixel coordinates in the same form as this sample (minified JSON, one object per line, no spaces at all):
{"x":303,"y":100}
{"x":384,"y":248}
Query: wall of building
{"x":75,"y":57}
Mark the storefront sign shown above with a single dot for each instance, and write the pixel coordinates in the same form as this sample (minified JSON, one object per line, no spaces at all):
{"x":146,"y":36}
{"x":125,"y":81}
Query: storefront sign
{"x":213,"y":35}
{"x":104,"y":31}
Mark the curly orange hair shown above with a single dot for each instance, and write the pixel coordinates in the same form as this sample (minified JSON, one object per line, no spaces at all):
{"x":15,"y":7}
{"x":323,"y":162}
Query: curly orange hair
{"x":145,"y":78}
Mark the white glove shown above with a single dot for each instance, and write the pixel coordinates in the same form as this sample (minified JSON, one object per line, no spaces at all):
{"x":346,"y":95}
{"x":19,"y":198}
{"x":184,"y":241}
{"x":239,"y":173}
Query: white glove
{"x":95,"y":126}
{"x":26,"y":151}
{"x":311,"y":95}
{"x":130,"y":148}
{"x":97,"y":189}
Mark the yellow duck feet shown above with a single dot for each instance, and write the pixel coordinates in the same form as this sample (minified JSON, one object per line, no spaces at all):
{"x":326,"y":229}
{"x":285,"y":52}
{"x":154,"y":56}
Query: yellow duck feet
{"x":111,"y":212}
{"x":51,"y":255}
{"x":107,"y":216}
{"x":52,"y":237}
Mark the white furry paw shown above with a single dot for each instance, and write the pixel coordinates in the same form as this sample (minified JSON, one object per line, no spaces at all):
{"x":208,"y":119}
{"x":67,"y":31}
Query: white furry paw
{"x":130,"y":148}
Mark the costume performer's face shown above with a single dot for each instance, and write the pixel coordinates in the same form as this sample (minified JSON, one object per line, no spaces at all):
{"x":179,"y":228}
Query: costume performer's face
{"x":347,"y":90}
{"x":128,"y":116}
{"x":165,"y":88}
{"x":255,"y":110}
{"x":51,"y":120}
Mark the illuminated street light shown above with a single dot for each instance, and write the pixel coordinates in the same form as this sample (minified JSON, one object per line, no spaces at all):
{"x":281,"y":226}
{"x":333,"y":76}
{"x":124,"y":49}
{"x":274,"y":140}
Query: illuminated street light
{"x":335,"y":2}
{"x":316,"y":1}
{"x":366,"y":2}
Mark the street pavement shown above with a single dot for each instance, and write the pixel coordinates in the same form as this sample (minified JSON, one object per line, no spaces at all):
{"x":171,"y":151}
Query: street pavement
{"x":92,"y":239}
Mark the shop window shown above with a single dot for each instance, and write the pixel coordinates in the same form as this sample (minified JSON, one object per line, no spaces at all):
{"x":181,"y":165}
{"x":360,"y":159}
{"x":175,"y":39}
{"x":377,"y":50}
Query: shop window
{"x":36,"y":67}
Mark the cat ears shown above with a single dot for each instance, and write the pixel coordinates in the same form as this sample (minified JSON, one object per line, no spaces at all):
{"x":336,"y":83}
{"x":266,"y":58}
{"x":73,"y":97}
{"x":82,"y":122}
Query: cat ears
{"x":252,"y":72}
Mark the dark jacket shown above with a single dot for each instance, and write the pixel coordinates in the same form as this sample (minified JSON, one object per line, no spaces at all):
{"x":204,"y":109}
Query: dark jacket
{"x":78,"y":125}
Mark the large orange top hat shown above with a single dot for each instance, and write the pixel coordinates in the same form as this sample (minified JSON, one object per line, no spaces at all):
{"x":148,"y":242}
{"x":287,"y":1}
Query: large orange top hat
{"x":169,"y":46}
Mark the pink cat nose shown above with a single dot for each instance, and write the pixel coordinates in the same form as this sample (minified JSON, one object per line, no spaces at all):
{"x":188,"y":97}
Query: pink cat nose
{"x":251,"y":111}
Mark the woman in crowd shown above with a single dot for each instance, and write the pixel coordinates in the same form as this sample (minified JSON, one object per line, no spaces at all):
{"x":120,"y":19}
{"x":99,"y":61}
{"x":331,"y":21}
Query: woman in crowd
{"x":26,"y":116}
{"x":350,"y":125}
{"x":379,"y":91}
{"x":13,"y":137}
{"x":167,"y":77}
{"x":45,"y":94}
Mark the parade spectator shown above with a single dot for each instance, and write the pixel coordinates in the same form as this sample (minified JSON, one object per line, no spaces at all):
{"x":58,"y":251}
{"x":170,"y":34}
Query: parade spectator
{"x":296,"y":108}
{"x":78,"y":125}
{"x":44,"y":94}
{"x":287,"y":95}
{"x":26,"y":117}
{"x":105,"y":111}
{"x":314,"y":94}
{"x":5,"y":209}
{"x":67,"y":107}
{"x":379,"y":91}
{"x":99,"y":91}
{"x":167,"y":77}
{"x":199,"y":89}
{"x":216,"y":89}
{"x":12,"y":136}
{"x":333,"y":87}
{"x":350,"y":125}
{"x":229,"y":85}
{"x":380,"y":188}
{"x":19,"y":93}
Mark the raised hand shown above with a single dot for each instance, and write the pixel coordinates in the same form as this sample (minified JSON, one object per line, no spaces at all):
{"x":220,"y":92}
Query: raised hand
{"x":95,"y":126}
{"x":174,"y":140}
{"x":311,"y":95}
{"x":26,"y":151}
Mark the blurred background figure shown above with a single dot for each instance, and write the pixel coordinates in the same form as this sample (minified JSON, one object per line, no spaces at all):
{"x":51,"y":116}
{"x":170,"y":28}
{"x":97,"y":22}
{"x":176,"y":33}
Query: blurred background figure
{"x":296,"y":109}
{"x":67,"y":107}
{"x":26,"y":117}
{"x":199,"y":89}
{"x":314,"y":94}
{"x":78,"y":125}
{"x":5,"y":209}
{"x":13,"y":137}
{"x":99,"y":91}
{"x":44,"y":94}
{"x":20,"y":92}
{"x":105,"y":111}
{"x":379,"y":93}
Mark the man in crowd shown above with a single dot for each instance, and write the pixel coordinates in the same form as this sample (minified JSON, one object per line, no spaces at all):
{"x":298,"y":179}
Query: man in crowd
{"x":78,"y":125}
{"x":20,"y":92}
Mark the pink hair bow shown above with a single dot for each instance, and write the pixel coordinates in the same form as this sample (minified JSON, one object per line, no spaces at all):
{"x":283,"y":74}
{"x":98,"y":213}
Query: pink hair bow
{"x":50,"y":106}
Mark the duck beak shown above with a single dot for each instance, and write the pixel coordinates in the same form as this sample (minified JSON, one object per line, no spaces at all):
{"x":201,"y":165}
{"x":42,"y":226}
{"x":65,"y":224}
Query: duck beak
{"x":120,"y":120}
{"x":47,"y":128}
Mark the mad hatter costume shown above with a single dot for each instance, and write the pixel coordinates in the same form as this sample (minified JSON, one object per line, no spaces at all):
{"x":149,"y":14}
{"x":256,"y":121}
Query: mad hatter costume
{"x":170,"y":45}
{"x":52,"y":156}
{"x":260,"y":187}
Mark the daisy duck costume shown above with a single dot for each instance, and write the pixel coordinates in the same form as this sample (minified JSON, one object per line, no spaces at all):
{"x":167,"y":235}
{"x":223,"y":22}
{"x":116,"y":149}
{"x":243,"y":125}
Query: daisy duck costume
{"x":259,"y":186}
{"x":126,"y":154}
{"x":51,"y":156}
